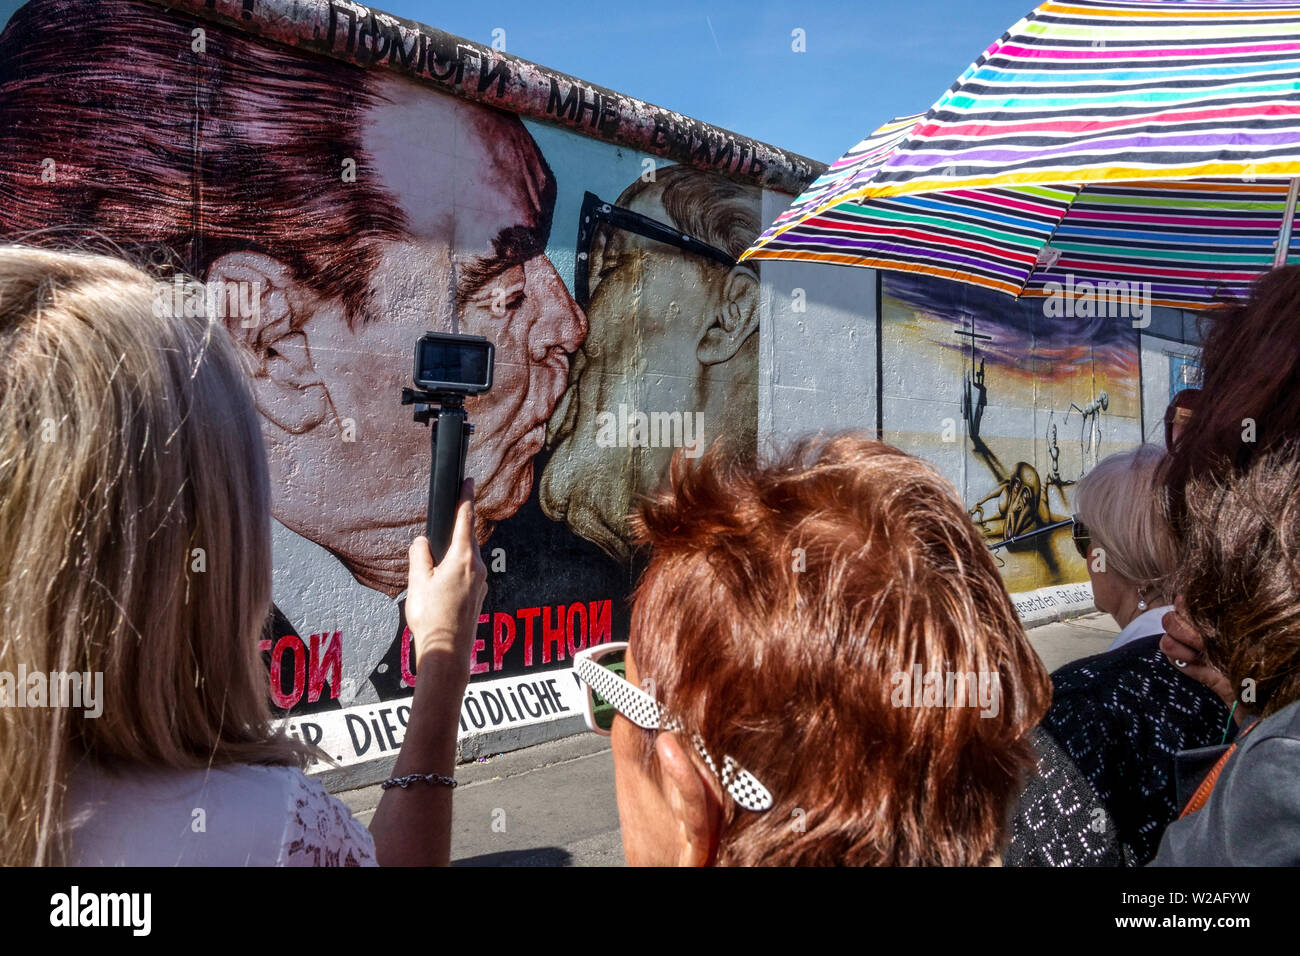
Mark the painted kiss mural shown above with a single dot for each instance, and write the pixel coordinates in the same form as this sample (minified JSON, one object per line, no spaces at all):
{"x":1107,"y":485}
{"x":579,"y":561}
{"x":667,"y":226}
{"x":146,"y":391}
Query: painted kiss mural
{"x":347,"y":211}
{"x":1022,"y":403}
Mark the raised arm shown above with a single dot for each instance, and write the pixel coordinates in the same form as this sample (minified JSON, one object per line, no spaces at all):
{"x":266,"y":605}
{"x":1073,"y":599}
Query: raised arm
{"x":412,"y":825}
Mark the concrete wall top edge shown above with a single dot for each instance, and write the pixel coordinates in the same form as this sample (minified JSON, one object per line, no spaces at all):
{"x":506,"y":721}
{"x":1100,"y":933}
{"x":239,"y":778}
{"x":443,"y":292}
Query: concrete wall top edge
{"x":366,"y":37}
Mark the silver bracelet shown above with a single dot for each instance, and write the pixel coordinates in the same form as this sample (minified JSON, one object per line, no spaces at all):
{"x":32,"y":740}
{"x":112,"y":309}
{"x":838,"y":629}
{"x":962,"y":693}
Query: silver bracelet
{"x":411,"y":778}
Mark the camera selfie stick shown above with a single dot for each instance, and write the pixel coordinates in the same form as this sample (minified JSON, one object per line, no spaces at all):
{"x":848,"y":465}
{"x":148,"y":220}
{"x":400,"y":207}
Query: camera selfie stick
{"x":448,"y":367}
{"x":448,"y":447}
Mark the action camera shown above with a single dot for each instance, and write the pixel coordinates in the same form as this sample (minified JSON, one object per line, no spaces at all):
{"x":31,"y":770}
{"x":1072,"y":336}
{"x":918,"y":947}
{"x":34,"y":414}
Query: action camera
{"x":448,"y":369}
{"x":460,"y":364}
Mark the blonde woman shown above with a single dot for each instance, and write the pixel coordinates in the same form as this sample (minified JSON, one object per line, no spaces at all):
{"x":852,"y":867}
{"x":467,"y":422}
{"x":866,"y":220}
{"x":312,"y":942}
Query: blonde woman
{"x":1122,"y":716}
{"x":129,"y":440}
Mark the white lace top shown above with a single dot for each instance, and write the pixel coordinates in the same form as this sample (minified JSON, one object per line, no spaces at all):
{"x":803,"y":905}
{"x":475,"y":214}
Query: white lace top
{"x":231,"y":816}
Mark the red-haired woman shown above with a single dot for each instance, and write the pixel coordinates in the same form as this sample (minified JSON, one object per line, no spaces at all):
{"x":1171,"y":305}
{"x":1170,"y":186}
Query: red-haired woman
{"x":824,"y":668}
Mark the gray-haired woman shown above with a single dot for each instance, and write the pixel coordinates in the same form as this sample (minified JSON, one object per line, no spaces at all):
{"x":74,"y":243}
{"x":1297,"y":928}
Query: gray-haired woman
{"x":1122,"y":716}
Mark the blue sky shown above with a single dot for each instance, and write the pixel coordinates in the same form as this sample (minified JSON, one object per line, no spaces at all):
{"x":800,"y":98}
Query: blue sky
{"x":731,"y":64}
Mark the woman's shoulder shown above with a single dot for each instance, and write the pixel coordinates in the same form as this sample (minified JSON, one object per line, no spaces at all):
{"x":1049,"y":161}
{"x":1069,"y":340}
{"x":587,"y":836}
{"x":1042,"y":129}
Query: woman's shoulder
{"x":1267,"y":758}
{"x":1128,"y":660}
{"x":322,"y":831}
{"x":1093,"y":690}
{"x":1059,"y":820}
{"x":1135,"y":685}
{"x":234,"y":815}
{"x":1133,"y":677}
{"x":1252,"y":817}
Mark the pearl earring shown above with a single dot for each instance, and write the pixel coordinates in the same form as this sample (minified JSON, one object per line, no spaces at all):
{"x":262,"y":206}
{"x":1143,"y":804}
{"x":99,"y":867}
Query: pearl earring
{"x":1142,"y":602}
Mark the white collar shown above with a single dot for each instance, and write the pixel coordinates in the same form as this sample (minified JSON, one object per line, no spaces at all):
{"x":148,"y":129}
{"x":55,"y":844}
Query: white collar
{"x":1144,"y":625}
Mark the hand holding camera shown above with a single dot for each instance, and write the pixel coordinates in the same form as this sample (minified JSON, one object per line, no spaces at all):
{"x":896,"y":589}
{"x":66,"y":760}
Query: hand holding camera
{"x":448,"y":369}
{"x":443,"y":601}
{"x":447,"y":578}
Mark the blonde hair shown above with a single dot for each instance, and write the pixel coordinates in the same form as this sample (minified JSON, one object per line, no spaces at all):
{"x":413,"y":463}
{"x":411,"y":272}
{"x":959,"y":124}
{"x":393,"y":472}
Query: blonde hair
{"x":1119,"y":502}
{"x":128,"y":442}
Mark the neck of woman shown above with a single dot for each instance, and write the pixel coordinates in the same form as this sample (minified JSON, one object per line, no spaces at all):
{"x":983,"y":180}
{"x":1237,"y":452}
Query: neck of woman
{"x":1129,"y":610}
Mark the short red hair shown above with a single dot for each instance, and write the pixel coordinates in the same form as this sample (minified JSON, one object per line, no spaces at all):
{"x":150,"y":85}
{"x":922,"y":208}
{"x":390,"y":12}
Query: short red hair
{"x":778,"y":605}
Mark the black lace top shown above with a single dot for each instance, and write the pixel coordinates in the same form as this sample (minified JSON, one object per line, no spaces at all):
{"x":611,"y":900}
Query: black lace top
{"x":1058,"y":820}
{"x":1121,"y":716}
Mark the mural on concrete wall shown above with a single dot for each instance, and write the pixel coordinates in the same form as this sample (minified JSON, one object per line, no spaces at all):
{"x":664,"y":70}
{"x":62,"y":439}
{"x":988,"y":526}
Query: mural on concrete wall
{"x":346,"y":211}
{"x":1015,"y":403}
{"x":671,"y":328}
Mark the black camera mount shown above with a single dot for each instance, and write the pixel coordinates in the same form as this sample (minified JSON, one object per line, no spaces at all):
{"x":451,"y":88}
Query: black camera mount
{"x":448,"y":447}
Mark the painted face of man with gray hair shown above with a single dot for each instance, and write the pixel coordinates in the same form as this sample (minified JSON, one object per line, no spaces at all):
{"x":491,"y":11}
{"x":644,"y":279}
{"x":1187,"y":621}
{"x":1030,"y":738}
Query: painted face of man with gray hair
{"x":671,"y":358}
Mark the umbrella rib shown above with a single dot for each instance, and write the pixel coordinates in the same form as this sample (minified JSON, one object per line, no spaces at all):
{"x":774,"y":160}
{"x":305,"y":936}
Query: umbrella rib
{"x":1064,"y":212}
{"x":1288,"y":216}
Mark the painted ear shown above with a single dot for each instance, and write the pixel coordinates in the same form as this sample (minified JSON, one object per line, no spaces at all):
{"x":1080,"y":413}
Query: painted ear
{"x":262,"y":303}
{"x":734,"y":319}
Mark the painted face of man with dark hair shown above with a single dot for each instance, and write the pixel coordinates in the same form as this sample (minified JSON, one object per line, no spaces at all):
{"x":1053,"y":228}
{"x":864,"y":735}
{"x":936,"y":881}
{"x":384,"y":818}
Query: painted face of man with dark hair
{"x":348,"y":465}
{"x":442,"y":228}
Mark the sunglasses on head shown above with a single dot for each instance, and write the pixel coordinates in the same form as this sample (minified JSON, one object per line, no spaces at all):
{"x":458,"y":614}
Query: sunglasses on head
{"x":601,"y":670}
{"x":1082,"y":539}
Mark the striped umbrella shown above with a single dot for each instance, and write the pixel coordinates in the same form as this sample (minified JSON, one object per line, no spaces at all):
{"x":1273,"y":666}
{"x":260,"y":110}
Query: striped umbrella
{"x":1095,"y":143}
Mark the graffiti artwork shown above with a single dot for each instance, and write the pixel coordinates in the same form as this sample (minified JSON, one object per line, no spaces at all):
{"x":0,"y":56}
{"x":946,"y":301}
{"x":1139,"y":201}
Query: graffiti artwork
{"x":347,"y":211}
{"x":1029,"y":402}
{"x":334,"y":182}
{"x":663,"y":293}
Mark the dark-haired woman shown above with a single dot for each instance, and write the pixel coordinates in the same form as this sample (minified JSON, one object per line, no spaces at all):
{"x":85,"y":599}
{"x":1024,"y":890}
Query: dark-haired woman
{"x":1233,"y":484}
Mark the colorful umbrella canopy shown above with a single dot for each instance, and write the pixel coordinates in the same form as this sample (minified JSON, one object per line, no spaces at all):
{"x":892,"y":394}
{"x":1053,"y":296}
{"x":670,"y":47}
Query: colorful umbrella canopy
{"x":1095,"y":142}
